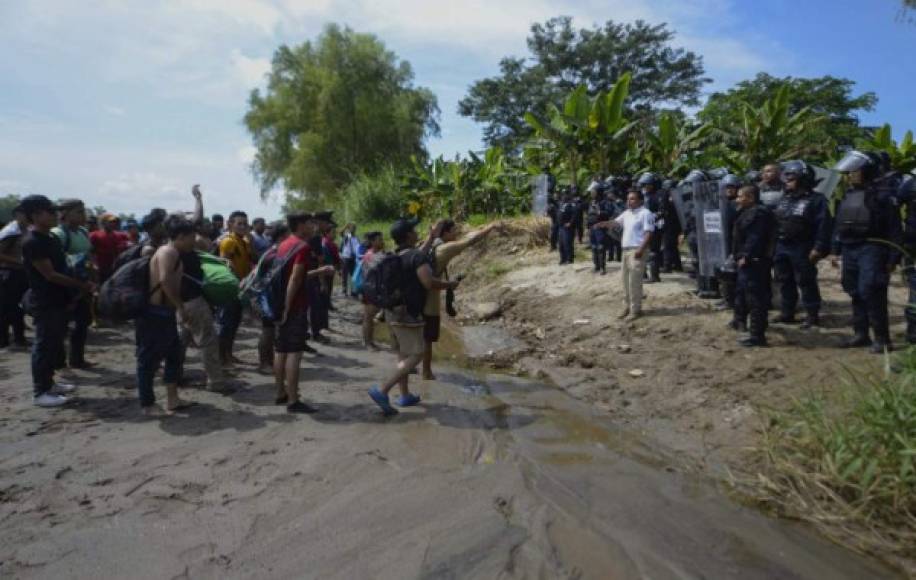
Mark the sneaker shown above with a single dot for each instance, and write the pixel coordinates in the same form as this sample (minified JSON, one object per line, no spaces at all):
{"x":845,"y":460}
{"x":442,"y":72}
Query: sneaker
{"x":300,"y":407}
{"x":408,"y":400}
{"x":50,"y":400}
{"x":63,"y":388}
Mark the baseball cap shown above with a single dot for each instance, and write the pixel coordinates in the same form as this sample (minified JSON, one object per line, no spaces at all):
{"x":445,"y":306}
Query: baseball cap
{"x":108,"y":217}
{"x":326,"y":216}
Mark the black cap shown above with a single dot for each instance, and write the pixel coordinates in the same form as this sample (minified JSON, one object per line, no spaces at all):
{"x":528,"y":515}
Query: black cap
{"x":68,"y":204}
{"x":402,"y":227}
{"x":32,"y":204}
{"x":326,"y":216}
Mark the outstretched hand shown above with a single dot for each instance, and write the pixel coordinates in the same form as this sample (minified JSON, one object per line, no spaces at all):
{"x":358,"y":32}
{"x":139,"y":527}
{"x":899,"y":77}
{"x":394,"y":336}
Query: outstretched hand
{"x":195,"y":191}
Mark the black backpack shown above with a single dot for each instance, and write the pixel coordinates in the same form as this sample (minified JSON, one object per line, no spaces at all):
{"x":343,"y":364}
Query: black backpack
{"x":384,"y":284}
{"x":125,"y":295}
{"x":129,"y":255}
{"x":853,"y":218}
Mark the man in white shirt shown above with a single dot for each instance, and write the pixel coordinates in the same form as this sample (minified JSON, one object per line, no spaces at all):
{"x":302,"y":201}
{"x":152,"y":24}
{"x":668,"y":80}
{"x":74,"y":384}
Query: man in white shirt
{"x":638,"y":225}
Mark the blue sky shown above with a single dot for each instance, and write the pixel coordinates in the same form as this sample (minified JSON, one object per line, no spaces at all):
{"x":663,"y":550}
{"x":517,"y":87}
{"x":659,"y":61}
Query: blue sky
{"x":127,"y":103}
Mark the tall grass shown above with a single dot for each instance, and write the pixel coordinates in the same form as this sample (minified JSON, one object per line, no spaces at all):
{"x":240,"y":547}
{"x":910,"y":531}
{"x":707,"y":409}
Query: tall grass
{"x":845,"y":460}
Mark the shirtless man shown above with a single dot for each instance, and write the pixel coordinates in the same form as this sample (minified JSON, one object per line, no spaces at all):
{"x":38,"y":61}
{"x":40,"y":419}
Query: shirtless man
{"x":157,"y":328}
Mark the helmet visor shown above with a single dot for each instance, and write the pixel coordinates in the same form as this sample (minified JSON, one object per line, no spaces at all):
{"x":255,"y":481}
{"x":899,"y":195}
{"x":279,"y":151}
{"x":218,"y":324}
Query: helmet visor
{"x":852,"y":161}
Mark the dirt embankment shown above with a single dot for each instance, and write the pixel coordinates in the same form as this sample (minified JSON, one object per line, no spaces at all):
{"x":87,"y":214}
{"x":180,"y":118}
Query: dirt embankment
{"x":677,"y":374}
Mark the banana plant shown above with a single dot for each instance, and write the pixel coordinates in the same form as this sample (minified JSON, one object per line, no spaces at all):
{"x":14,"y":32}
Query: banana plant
{"x":671,"y":148}
{"x":609,"y":129}
{"x":769,"y":133}
{"x":903,"y":156}
{"x":566,"y":131}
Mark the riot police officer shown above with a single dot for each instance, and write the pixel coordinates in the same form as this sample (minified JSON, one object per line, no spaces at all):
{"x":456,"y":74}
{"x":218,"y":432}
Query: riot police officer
{"x":728,"y":273}
{"x":868,"y":234}
{"x":753,"y":240}
{"x":600,"y":210}
{"x":906,"y":197}
{"x":771,"y":188}
{"x":671,"y":254}
{"x":804,"y":230}
{"x":553,"y":208}
{"x":690,"y":227}
{"x":566,"y":218}
{"x":581,"y":208}
{"x":649,"y":185}
{"x":616,"y":201}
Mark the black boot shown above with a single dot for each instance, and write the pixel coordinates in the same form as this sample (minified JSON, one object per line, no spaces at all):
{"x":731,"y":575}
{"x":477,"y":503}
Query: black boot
{"x":811,"y":320}
{"x":752,"y":341}
{"x":859,"y":325}
{"x":785,"y":317}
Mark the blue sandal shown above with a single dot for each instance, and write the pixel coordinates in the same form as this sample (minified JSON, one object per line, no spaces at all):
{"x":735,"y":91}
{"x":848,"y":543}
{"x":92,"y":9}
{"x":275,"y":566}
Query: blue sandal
{"x":408,"y":400}
{"x":382,"y":401}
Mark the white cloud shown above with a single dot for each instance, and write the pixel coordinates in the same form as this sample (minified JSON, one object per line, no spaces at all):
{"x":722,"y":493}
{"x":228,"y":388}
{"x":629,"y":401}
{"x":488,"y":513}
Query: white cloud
{"x":246,"y":154}
{"x":250,"y":71}
{"x":260,"y":14}
{"x":115,"y":111}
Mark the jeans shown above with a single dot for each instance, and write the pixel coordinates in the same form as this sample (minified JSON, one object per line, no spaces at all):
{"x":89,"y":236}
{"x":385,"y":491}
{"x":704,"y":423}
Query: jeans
{"x":13,"y":284}
{"x":157,"y":340}
{"x":80,"y":316}
{"x":50,"y":325}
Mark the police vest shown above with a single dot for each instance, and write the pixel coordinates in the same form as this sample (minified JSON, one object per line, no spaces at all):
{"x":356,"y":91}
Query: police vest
{"x":791,"y":214}
{"x":854,"y":216}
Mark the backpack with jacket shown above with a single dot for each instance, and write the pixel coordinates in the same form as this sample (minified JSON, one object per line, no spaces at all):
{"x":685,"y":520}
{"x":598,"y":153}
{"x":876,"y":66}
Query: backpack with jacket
{"x":220,"y":285}
{"x":265,"y":287}
{"x":383,"y":285}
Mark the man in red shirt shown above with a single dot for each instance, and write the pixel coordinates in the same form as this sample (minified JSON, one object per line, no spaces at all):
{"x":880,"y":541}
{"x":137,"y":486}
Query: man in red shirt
{"x":292,"y":331}
{"x":105,"y":243}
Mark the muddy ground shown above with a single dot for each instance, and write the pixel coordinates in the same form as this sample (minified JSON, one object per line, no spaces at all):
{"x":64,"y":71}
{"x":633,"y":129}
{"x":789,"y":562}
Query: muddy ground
{"x":491,"y":477}
{"x":677,"y":374}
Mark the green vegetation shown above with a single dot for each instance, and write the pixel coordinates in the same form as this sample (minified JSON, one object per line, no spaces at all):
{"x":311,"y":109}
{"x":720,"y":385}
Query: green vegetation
{"x":845,"y":459}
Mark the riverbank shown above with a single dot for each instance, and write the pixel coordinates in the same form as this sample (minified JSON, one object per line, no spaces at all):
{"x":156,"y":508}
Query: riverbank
{"x":490,"y":477}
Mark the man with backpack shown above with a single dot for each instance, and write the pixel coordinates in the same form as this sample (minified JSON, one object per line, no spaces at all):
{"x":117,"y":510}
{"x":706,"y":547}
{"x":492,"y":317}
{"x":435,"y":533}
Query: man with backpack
{"x":157,"y":325}
{"x":399,"y":284}
{"x":292,"y":329}
{"x":51,"y":288}
{"x":370,"y":260}
{"x":74,"y":239}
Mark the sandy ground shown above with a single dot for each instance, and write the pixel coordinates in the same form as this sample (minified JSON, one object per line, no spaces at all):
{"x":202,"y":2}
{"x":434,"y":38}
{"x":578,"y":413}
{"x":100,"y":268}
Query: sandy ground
{"x":677,"y":374}
{"x":492,"y":477}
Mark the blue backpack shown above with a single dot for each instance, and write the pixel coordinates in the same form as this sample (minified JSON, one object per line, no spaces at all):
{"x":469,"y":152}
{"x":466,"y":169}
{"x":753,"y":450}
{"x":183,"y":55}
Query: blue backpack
{"x":265,"y":287}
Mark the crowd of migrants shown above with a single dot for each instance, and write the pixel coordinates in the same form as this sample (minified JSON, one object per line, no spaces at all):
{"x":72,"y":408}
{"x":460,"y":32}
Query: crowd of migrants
{"x":184,"y":280}
{"x":769,"y":224}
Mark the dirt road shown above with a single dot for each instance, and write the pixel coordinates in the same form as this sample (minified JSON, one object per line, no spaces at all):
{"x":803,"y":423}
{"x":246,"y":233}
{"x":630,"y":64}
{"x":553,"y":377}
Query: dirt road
{"x":492,"y":477}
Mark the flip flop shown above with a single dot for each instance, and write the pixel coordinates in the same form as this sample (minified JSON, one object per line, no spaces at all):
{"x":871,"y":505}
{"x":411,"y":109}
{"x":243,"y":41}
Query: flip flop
{"x":409,"y":400}
{"x":180,"y":407}
{"x":382,"y":401}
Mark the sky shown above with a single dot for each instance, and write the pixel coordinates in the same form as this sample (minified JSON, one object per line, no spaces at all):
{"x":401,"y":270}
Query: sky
{"x":127,"y":103}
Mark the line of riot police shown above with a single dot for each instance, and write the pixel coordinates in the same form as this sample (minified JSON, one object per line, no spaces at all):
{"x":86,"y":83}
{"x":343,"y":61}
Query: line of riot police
{"x":744,"y":233}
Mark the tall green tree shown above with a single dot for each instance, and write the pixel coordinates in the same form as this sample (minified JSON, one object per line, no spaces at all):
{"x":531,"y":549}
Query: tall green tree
{"x":335,"y":109}
{"x":7,"y":203}
{"x":566,"y":131}
{"x":673,"y":146}
{"x":827,"y":96}
{"x":563,"y":58}
{"x":903,"y":155}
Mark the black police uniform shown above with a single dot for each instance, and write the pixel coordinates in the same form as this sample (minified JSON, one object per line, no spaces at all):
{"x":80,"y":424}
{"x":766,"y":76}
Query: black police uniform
{"x":566,"y":216}
{"x":753,"y":240}
{"x":599,"y":211}
{"x":552,"y":210}
{"x":804,"y":224}
{"x":671,"y":254}
{"x":653,"y":203}
{"x":868,"y":232}
{"x":906,"y":197}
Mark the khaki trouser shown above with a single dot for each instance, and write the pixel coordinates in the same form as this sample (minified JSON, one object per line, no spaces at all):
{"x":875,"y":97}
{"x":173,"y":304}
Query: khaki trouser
{"x":197,"y":327}
{"x":631,"y":275}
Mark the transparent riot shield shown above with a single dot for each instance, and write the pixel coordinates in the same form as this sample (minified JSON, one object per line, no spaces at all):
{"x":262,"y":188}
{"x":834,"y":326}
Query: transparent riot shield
{"x":541,"y":188}
{"x":827,"y":180}
{"x":682,"y":198}
{"x":709,"y":207}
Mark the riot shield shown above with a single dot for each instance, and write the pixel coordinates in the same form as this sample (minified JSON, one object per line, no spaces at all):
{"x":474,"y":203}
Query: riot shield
{"x":682,"y":198}
{"x":710,"y":210}
{"x":827,"y":179}
{"x":540,"y":189}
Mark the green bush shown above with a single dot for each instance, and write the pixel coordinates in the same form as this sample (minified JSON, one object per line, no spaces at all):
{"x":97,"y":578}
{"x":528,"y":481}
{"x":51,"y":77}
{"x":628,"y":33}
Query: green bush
{"x":373,"y":198}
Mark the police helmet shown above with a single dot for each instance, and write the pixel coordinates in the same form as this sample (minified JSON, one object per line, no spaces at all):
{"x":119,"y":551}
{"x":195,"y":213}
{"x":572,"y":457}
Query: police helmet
{"x":866,"y":161}
{"x":731,"y":180}
{"x":695,"y":176}
{"x":752,"y":176}
{"x":648,"y":178}
{"x":907,"y":189}
{"x":718,"y":173}
{"x":801,"y":170}
{"x":668,"y":184}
